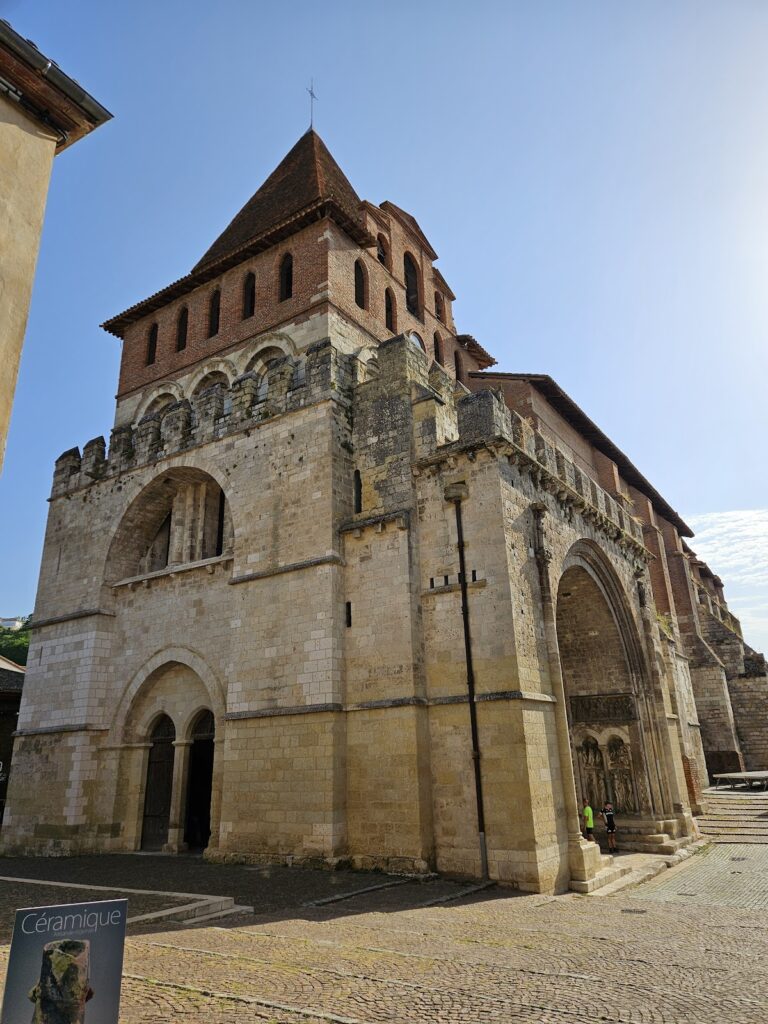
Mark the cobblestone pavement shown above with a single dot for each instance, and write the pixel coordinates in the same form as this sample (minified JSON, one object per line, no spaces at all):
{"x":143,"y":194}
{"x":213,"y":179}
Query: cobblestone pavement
{"x":387,"y":957}
{"x":728,"y":875}
{"x":17,"y":894}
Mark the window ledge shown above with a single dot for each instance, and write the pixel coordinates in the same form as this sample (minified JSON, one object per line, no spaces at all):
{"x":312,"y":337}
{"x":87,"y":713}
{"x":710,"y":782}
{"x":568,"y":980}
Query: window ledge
{"x":173,"y":570}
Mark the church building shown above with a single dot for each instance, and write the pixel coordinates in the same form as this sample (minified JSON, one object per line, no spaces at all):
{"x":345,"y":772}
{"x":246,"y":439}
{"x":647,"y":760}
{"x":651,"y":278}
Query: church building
{"x":339,"y":592}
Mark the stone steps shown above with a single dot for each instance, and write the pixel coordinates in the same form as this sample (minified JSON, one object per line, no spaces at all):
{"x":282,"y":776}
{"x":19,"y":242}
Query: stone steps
{"x":607,"y":876}
{"x":735,"y":817}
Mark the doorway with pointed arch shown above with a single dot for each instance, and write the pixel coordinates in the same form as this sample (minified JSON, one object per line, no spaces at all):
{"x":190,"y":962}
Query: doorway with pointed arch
{"x":169,"y":734}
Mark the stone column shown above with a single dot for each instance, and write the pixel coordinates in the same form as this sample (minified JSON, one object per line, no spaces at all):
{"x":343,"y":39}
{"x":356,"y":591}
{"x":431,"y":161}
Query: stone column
{"x":175,"y":843}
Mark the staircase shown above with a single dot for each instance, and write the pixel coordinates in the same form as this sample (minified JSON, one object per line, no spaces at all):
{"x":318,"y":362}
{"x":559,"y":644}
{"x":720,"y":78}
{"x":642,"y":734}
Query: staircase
{"x":733,"y":817}
{"x":609,"y":873}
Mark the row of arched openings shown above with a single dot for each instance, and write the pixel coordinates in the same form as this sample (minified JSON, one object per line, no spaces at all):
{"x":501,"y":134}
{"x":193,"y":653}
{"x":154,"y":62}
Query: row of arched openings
{"x":285,"y":291}
{"x":411,"y":278}
{"x":412,"y":301}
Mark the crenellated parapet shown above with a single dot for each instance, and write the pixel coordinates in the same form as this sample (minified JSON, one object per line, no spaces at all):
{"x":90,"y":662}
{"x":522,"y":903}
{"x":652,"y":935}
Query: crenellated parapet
{"x":446,"y":420}
{"x":289,"y":384}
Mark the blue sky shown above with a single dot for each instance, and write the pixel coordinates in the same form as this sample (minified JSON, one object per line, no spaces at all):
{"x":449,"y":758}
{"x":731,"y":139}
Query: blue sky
{"x":594,"y":176}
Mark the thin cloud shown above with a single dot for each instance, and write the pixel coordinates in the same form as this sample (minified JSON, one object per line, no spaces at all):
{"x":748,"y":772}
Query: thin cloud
{"x":735,"y":547}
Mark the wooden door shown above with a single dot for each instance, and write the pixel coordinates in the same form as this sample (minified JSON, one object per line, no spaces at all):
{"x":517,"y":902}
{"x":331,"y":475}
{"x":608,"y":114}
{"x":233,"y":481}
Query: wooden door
{"x":157,"y":800}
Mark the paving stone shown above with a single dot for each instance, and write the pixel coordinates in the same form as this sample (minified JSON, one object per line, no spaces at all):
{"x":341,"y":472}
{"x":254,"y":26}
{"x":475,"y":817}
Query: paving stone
{"x":650,"y":956}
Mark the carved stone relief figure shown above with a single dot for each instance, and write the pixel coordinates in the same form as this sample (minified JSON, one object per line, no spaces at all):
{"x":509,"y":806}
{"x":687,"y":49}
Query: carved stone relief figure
{"x":620,"y":774}
{"x":592,"y":771}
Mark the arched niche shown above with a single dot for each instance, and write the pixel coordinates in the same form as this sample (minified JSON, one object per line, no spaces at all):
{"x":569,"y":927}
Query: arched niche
{"x":182,"y":516}
{"x":158,"y":397}
{"x":225,"y":367}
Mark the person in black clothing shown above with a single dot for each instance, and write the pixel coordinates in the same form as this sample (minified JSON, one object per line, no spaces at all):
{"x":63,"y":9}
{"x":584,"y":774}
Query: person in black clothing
{"x":607,"y":814}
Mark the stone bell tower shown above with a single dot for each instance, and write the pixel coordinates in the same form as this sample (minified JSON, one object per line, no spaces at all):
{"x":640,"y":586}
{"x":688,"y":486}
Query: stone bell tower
{"x":336,"y":594}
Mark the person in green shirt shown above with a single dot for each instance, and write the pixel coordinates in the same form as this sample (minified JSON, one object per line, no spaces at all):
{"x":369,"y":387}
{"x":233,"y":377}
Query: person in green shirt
{"x":589,"y":820}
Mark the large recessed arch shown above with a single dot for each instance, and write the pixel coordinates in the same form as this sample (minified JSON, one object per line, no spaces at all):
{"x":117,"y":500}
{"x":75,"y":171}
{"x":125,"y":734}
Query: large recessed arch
{"x":154,"y":531}
{"x":604,"y":673}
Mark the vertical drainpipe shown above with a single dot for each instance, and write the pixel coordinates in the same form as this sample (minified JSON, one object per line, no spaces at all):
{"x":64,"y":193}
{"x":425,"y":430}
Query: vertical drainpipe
{"x":456,"y":493}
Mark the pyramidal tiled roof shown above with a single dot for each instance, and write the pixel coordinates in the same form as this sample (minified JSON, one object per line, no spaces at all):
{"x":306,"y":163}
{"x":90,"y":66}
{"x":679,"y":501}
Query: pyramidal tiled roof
{"x":306,"y":177}
{"x":307,"y":184}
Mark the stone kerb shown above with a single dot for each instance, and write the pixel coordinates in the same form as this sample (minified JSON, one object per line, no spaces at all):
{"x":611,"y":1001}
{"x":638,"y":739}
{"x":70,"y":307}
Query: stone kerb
{"x":290,"y":384}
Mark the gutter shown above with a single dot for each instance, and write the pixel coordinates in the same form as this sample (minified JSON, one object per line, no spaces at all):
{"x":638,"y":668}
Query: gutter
{"x":46,"y":68}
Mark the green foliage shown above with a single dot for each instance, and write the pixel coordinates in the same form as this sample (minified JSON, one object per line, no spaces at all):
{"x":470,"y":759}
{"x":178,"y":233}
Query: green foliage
{"x":14,"y":643}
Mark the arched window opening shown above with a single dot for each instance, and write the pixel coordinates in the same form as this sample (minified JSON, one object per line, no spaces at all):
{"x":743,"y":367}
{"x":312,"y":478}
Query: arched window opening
{"x":382,"y":251}
{"x":249,"y":295}
{"x":214,"y":310}
{"x":418,"y":337}
{"x":360,"y":288}
{"x":211,"y":380}
{"x":390,"y":315}
{"x":181,"y":517}
{"x":439,"y":307}
{"x":458,"y":366}
{"x":151,"y":345}
{"x":182,"y":326}
{"x":286,"y":277}
{"x":158,"y":404}
{"x":411,"y":276}
{"x":438,"y":349}
{"x":358,"y":491}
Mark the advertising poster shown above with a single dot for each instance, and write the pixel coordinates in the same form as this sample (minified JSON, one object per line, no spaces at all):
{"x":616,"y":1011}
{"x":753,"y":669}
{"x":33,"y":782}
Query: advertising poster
{"x":65,"y":964}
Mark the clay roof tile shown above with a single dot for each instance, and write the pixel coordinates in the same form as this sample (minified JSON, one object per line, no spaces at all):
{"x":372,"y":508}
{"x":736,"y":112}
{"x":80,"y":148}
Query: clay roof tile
{"x":308,"y":175}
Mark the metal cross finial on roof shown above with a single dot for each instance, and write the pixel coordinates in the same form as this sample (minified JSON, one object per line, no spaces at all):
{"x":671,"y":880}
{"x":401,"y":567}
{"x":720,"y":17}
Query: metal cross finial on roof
{"x":312,"y":98}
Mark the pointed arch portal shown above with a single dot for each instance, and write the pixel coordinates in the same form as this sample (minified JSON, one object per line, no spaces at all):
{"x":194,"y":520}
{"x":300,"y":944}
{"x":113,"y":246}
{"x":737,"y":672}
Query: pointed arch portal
{"x":601,"y":682}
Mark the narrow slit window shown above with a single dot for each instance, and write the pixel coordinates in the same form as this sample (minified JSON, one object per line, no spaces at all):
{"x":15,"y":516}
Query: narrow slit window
{"x":358,"y":491}
{"x":389,"y":311}
{"x":182,"y":326}
{"x":360,"y":285}
{"x":214,"y":312}
{"x":348,"y":611}
{"x":411,"y":276}
{"x":249,"y":295}
{"x":286,"y":277}
{"x":151,"y":345}
{"x":221,"y":515}
{"x":458,"y":366}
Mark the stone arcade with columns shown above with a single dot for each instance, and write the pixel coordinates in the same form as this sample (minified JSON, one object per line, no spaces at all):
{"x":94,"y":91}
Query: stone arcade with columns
{"x":337,"y":593}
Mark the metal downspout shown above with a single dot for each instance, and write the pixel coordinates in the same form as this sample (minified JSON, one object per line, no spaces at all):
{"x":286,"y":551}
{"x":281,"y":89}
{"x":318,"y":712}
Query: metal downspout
{"x":456,"y":494}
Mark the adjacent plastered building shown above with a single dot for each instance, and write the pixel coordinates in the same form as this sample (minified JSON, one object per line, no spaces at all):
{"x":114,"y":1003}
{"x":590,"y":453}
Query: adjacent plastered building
{"x":340,"y":592}
{"x":42,"y":112}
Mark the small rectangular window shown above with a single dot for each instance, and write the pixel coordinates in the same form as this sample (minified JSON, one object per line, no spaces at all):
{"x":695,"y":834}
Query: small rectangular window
{"x":349,"y":613}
